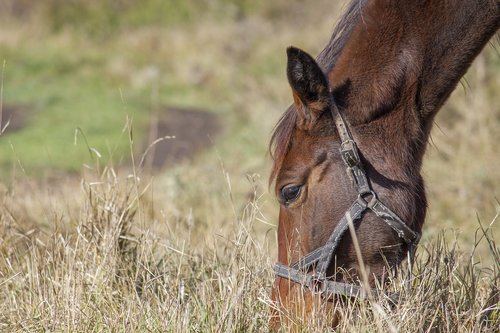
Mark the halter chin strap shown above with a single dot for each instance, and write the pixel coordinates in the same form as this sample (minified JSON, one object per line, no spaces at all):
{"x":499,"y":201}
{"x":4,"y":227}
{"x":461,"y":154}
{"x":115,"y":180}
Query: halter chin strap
{"x":367,"y":200}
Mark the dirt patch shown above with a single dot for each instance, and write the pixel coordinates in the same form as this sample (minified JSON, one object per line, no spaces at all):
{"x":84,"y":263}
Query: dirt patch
{"x":193,"y":129}
{"x":13,"y":118}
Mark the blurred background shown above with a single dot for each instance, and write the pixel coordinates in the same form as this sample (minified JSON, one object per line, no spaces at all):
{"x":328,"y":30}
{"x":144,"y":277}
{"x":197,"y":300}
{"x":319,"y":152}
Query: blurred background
{"x":87,"y":86}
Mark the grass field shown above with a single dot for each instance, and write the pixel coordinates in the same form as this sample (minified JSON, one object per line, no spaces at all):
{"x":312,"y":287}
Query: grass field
{"x":91,"y":242}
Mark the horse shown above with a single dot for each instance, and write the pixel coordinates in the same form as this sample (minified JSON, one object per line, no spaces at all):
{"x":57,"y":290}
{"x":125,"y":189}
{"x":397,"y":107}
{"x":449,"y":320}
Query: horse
{"x":365,"y":105}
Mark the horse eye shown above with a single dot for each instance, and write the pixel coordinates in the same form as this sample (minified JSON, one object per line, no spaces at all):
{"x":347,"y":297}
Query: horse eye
{"x":290,"y":193}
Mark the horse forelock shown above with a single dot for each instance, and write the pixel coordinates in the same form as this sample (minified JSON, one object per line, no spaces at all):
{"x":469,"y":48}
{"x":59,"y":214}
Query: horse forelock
{"x":281,"y":140}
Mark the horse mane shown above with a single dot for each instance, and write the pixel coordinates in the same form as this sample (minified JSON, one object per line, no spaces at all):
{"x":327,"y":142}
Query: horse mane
{"x":282,"y":133}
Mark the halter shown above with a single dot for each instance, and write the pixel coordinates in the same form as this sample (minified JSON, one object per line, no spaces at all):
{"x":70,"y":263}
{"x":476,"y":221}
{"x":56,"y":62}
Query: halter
{"x":366,"y":200}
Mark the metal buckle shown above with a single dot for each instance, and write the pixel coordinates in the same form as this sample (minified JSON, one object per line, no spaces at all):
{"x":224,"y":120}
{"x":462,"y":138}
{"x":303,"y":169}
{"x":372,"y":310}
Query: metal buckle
{"x":349,"y":153}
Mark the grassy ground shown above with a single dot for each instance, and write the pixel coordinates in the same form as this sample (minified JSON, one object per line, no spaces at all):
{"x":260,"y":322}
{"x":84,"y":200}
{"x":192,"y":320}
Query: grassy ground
{"x":90,"y":243}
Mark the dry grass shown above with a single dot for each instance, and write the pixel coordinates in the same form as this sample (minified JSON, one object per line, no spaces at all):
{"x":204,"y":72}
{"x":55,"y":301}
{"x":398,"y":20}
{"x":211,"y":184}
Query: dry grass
{"x":109,"y":271}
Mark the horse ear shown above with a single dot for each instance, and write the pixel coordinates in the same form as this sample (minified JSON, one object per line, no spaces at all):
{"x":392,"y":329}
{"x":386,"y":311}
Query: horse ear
{"x":309,"y":87}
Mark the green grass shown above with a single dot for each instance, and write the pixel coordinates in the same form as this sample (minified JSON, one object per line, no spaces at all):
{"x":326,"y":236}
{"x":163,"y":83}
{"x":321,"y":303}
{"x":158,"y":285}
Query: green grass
{"x":65,"y":91}
{"x":71,"y":78}
{"x":104,"y":18}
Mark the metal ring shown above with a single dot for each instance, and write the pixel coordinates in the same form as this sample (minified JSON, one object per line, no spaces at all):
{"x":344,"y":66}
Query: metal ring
{"x":362,"y":198}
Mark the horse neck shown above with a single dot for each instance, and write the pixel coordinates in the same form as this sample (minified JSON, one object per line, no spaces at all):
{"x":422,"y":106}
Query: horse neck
{"x":399,"y":65}
{"x":410,"y":51}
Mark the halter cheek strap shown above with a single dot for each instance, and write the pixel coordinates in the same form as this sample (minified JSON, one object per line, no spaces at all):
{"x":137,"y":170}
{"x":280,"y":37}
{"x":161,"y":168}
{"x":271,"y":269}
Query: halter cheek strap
{"x":367,"y":200}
